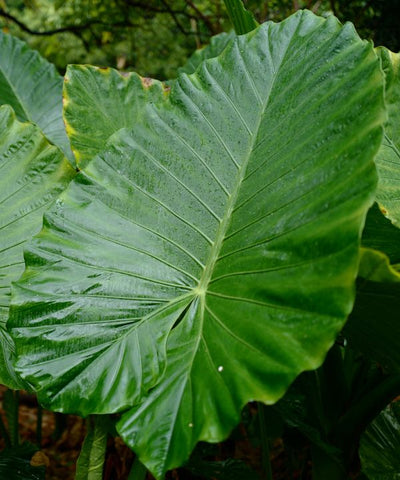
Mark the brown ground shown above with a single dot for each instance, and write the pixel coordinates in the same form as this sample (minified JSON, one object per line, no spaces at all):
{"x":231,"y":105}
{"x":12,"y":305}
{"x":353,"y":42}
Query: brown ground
{"x":59,"y":451}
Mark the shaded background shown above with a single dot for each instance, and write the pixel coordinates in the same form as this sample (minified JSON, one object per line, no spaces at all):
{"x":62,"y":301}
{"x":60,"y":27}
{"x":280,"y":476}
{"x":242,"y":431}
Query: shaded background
{"x":154,"y":37}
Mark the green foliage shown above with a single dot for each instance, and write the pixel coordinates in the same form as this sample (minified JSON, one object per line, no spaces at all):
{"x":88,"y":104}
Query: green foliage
{"x":388,"y":158}
{"x":15,"y":463}
{"x":373,"y":327}
{"x":380,"y":446}
{"x":36,"y":173}
{"x":155,"y":37}
{"x":32,"y":87}
{"x":100,"y":101}
{"x":194,"y":252}
{"x":215,"y":48}
{"x":206,"y":252}
{"x":91,"y":459}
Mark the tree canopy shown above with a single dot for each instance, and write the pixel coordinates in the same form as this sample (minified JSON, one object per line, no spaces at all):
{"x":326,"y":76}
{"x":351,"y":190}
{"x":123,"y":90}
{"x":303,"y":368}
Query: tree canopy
{"x":155,"y":37}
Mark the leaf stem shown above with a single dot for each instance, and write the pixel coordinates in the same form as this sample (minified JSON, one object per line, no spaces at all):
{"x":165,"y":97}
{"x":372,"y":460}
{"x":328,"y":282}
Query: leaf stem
{"x":39,"y":426}
{"x":15,"y":422}
{"x":324,"y":467}
{"x":90,"y":463}
{"x":265,"y":456}
{"x":4,"y":433}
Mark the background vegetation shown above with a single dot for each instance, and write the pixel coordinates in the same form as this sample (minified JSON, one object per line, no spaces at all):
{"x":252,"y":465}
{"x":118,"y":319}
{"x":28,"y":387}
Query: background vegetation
{"x":154,"y":37}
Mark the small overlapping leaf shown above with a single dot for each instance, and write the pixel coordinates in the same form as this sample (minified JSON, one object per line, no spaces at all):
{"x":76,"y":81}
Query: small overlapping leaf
{"x":388,"y":158}
{"x":100,"y":101}
{"x":380,"y":445}
{"x":217,"y":45}
{"x":32,"y":86}
{"x":208,"y":256}
{"x":33,"y":172}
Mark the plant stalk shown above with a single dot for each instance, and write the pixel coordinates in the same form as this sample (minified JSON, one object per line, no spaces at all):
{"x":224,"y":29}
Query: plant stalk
{"x":15,"y":423}
{"x":90,"y":463}
{"x":242,"y":20}
{"x":364,"y":411}
{"x":39,"y":426}
{"x":4,"y":433}
{"x":265,"y":455}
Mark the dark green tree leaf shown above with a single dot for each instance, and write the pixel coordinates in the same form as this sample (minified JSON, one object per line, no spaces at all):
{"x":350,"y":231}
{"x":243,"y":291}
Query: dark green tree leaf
{"x":33,"y":173}
{"x":32,"y":86}
{"x":208,"y":256}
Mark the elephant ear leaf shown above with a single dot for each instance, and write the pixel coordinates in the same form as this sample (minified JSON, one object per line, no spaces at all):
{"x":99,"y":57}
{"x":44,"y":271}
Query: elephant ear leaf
{"x":33,"y":172}
{"x":388,"y":158}
{"x":380,"y":445}
{"x":380,"y":234}
{"x":216,"y":47}
{"x":33,"y":88}
{"x":100,"y":101}
{"x":208,"y":256}
{"x":373,"y":327}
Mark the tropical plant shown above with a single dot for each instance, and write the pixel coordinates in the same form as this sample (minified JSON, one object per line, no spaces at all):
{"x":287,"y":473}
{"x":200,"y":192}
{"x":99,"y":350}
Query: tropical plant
{"x":199,"y":241}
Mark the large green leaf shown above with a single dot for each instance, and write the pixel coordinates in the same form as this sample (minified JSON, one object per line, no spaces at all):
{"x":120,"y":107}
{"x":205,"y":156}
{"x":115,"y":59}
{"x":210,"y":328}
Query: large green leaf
{"x":380,"y":234}
{"x":100,"y":101}
{"x":32,"y":173}
{"x":373,"y":326}
{"x":388,"y":158}
{"x":32,"y":86}
{"x":380,"y":446}
{"x":217,"y":45}
{"x":209,"y":255}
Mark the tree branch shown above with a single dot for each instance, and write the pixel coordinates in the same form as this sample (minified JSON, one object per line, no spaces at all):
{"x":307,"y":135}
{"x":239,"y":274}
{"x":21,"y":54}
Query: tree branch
{"x":69,"y":28}
{"x":203,"y":17}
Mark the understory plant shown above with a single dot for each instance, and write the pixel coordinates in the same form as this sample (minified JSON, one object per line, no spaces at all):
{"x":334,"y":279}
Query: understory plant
{"x":172,"y":251}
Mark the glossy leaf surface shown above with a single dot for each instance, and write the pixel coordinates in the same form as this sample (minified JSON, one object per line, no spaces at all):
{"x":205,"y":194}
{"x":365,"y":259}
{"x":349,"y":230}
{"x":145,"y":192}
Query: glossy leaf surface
{"x":388,"y":158}
{"x":380,"y":234}
{"x":380,"y":446}
{"x":90,"y":463}
{"x":100,"y":101}
{"x":32,"y":173}
{"x":373,"y":326}
{"x":32,"y":86}
{"x":207,"y":257}
{"x":242,"y":19}
{"x":217,"y":45}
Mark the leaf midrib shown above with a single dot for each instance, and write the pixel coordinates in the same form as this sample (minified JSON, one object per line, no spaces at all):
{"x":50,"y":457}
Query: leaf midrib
{"x":232,"y":198}
{"x":392,"y":145}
